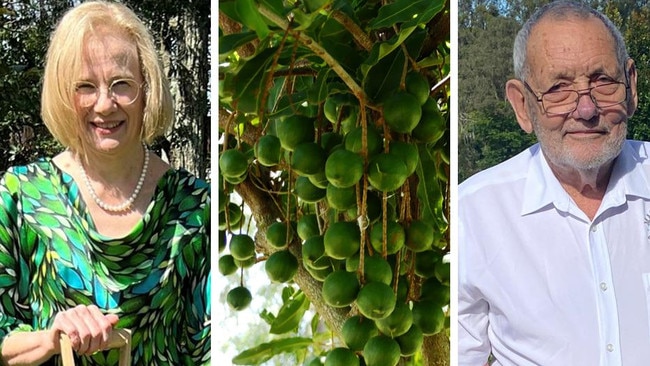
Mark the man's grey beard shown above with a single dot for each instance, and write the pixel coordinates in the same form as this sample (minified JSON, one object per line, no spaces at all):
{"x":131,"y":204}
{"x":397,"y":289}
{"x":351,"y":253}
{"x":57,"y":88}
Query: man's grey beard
{"x":608,"y":154}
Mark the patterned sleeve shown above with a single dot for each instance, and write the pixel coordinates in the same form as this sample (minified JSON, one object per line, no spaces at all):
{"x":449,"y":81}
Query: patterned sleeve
{"x":198,"y":313}
{"x":16,"y":247}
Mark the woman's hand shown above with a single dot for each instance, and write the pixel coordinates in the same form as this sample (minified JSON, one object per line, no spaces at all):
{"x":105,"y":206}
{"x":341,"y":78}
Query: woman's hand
{"x":86,"y":326}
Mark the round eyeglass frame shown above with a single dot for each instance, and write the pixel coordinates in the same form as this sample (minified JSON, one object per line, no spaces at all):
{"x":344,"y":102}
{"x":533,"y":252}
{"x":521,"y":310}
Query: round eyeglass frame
{"x":109,"y":91}
{"x":580,"y":92}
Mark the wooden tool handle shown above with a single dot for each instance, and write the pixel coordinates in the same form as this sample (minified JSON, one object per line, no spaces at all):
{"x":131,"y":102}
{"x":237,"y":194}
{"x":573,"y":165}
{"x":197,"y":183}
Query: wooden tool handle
{"x":120,"y":338}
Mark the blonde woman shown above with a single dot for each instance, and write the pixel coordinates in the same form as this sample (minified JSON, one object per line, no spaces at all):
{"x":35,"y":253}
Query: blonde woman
{"x":104,"y":235}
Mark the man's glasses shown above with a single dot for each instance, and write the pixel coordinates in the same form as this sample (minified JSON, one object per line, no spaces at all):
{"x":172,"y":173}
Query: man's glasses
{"x":122,"y":91}
{"x":566,"y":101}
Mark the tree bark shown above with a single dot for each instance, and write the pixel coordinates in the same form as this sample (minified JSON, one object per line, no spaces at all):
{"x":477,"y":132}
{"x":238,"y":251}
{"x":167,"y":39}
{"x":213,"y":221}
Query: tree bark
{"x":436,"y":350}
{"x":190,"y":137}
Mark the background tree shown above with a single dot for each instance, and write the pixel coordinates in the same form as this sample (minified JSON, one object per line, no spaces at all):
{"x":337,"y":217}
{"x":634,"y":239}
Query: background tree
{"x":24,"y":30}
{"x":488,"y":132}
{"x":638,"y":42}
{"x":182,"y":31}
{"x":334,"y":133}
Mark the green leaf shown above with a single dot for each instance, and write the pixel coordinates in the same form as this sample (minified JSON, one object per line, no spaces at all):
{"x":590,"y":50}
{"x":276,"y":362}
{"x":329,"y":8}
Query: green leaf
{"x":433,"y":59}
{"x":333,"y":30}
{"x":302,"y":20}
{"x":266,"y":351}
{"x":276,"y":6}
{"x":275,"y":93}
{"x":432,"y":8}
{"x":315,"y":321}
{"x":267,"y":316}
{"x":290,"y":104}
{"x":250,"y":17}
{"x":340,"y":88}
{"x":247,"y":84}
{"x":383,"y":78}
{"x":429,"y":192}
{"x":231,"y":42}
{"x":342,"y":52}
{"x":414,"y":42}
{"x":287,"y":293}
{"x":228,"y":8}
{"x":408,"y":12}
{"x":381,"y":50}
{"x":290,"y":314}
{"x":313,"y":5}
{"x":318,"y":92}
{"x":412,"y":38}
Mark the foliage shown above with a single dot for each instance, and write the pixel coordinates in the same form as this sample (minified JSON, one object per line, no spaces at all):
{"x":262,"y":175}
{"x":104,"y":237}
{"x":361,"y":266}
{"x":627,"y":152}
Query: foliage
{"x":488,"y":137}
{"x":488,"y":132}
{"x":24,"y":35}
{"x":484,"y":56}
{"x":637,"y":37}
{"x":302,"y":82}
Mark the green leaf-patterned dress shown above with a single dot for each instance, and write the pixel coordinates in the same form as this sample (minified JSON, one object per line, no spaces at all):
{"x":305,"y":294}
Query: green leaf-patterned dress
{"x":156,"y":279}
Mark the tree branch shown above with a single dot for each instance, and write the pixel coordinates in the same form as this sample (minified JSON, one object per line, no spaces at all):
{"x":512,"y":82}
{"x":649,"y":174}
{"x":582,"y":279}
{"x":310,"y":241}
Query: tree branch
{"x":319,"y":51}
{"x":357,"y":33}
{"x":251,"y":133}
{"x":265,"y":214}
{"x":230,"y":26}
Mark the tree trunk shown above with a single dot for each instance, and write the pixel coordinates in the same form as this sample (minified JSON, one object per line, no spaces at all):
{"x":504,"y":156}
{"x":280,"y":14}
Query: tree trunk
{"x":190,"y":134}
{"x":182,"y":32}
{"x":436,"y":350}
{"x":264,"y":215}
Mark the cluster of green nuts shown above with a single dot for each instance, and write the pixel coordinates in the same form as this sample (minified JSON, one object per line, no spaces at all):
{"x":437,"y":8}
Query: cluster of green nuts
{"x":396,"y":286}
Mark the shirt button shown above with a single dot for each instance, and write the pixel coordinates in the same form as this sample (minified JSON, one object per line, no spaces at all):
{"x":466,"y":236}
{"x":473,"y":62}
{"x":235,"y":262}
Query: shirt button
{"x":603,"y":286}
{"x":610,"y":347}
{"x":594,"y":228}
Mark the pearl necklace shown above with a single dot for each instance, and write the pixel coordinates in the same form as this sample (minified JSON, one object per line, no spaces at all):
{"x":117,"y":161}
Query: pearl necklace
{"x":126,"y":204}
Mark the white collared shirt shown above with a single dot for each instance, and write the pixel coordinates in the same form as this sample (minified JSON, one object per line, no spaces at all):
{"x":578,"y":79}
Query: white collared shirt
{"x":540,"y":283}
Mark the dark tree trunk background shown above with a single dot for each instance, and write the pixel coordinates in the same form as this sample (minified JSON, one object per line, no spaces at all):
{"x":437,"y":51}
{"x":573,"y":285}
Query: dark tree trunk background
{"x":182,"y":30}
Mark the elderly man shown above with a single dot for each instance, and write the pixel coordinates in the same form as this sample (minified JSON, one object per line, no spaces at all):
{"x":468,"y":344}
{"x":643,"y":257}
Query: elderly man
{"x":554,"y":249}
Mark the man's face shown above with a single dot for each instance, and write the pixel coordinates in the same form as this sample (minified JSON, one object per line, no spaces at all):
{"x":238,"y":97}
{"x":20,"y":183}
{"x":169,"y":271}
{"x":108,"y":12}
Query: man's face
{"x":576,"y":54}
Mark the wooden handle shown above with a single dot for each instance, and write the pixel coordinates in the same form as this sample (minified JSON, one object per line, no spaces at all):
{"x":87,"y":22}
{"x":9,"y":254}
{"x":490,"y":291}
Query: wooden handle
{"x":120,"y":338}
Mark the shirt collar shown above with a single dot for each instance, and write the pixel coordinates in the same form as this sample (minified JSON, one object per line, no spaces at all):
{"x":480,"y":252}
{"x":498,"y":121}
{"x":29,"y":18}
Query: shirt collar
{"x":542,"y":188}
{"x":629,"y":176}
{"x":628,"y":179}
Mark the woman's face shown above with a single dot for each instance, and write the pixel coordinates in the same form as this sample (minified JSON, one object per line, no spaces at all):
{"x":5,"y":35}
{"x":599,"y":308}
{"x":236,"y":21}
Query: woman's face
{"x":108,"y":120}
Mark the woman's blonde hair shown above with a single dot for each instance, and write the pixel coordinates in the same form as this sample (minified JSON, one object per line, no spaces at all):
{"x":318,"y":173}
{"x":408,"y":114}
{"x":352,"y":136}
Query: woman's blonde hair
{"x":63,"y":67}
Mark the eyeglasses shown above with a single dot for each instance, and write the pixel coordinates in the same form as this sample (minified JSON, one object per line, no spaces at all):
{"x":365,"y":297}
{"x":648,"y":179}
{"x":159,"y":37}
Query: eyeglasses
{"x":122,"y":91}
{"x":566,"y":101}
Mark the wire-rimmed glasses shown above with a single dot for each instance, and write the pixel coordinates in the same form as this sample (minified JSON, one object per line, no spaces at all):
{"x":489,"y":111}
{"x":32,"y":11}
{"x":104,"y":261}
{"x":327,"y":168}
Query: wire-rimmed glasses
{"x":566,"y":101}
{"x":122,"y":91}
